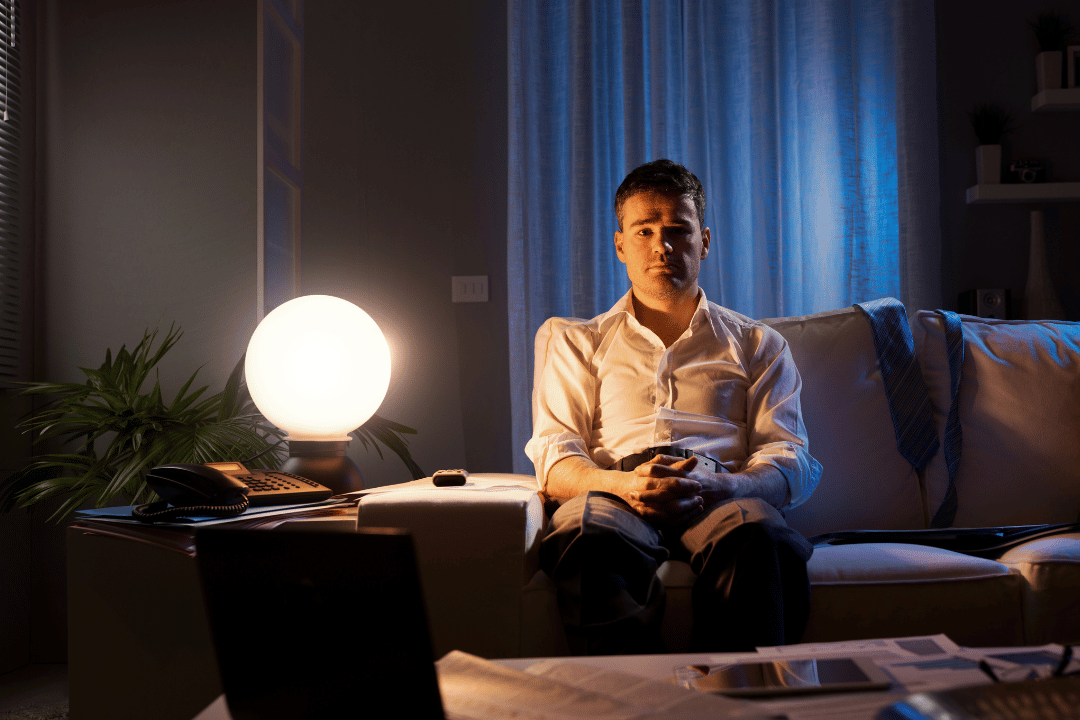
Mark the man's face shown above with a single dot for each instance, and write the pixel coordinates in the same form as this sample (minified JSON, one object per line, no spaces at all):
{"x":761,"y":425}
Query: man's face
{"x":662,"y":245}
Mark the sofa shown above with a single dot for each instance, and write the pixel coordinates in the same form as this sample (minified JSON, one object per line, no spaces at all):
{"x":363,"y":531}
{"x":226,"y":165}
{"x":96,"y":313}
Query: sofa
{"x":1018,"y":404}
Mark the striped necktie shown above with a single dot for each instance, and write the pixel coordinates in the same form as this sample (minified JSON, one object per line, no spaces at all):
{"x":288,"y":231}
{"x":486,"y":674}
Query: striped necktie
{"x":954,"y":349}
{"x":909,"y":402}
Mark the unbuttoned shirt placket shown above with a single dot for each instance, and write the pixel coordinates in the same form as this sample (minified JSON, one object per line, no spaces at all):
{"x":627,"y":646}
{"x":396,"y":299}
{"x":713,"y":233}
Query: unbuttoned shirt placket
{"x":664,"y":394}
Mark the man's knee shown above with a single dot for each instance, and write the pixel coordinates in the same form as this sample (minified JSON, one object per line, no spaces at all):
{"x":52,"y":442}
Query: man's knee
{"x":598,"y":522}
{"x":746,"y":532}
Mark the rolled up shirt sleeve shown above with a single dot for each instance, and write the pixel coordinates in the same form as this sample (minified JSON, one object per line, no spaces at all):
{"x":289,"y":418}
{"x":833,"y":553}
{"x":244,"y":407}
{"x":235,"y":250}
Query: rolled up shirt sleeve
{"x":564,"y":389}
{"x":775,"y":432}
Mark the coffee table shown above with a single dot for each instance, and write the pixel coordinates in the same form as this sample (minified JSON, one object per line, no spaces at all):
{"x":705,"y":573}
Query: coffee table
{"x":854,"y":706}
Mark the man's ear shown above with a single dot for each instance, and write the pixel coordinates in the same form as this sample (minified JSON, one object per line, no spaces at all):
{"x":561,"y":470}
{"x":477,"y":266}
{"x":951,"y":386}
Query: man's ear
{"x":706,"y":238}
{"x":618,"y":246}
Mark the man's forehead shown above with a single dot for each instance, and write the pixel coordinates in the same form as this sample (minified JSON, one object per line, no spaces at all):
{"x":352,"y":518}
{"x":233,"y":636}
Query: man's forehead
{"x":653,"y":206}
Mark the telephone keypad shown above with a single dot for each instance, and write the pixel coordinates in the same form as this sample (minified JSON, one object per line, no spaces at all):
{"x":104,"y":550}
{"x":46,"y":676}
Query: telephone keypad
{"x":278,"y":488}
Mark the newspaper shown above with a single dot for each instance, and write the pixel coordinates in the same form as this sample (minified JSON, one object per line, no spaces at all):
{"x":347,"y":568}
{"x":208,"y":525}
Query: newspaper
{"x":476,"y":689}
{"x":978,"y":666}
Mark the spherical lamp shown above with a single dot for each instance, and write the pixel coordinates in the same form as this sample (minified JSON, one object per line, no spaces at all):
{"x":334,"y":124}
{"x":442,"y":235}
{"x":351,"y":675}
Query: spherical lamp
{"x":318,"y":367}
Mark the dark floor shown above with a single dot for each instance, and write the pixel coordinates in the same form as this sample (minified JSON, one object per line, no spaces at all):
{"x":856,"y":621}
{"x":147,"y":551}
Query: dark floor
{"x":30,"y":685}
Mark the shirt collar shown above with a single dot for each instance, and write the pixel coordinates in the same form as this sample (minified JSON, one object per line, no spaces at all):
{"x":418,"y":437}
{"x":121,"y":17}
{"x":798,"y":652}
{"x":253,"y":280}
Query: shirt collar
{"x":714,"y":320}
{"x":702,"y":317}
{"x":625,"y":306}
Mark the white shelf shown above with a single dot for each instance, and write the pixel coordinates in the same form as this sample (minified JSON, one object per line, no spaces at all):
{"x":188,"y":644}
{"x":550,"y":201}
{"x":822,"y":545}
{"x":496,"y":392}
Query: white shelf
{"x":1061,"y":99}
{"x":1031,"y":192}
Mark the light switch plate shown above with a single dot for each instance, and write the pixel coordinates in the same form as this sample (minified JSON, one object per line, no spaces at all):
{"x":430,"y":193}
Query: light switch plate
{"x":469,"y":288}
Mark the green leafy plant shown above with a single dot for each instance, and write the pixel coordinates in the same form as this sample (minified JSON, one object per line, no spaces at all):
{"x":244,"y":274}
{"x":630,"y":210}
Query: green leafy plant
{"x":111,"y":432}
{"x":991,"y":122}
{"x":1053,"y":30}
{"x":380,"y":430}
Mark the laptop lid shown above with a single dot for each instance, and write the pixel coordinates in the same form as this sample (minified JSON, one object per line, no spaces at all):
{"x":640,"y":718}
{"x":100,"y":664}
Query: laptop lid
{"x":318,"y":624}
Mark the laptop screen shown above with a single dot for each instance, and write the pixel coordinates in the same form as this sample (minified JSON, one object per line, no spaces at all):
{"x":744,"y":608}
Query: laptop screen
{"x":318,"y":624}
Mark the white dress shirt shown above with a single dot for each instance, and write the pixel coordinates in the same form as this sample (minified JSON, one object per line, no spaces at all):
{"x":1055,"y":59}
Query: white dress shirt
{"x":727,"y":388}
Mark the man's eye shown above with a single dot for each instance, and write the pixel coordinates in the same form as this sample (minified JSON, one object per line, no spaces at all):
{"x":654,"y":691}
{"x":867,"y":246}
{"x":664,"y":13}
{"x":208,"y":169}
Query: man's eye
{"x":645,"y":232}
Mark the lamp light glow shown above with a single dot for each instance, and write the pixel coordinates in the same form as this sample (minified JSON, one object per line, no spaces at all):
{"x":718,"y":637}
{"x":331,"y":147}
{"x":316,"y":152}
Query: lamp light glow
{"x":317,"y":367}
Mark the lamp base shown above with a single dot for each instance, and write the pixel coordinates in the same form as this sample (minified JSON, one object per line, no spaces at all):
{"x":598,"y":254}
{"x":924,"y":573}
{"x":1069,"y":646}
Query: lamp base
{"x":325,"y":462}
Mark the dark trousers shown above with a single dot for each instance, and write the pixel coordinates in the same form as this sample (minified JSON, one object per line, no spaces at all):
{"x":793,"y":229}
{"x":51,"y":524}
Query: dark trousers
{"x":751,"y":590}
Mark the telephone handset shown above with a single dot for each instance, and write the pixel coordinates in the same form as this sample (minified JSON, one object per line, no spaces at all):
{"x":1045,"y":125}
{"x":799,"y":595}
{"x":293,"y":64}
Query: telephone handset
{"x":223,"y":489}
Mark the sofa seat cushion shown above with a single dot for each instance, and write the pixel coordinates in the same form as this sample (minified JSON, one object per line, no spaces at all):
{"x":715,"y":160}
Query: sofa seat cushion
{"x":877,"y":563}
{"x":1051,"y":569}
{"x":865,"y":482}
{"x":1019,"y":417}
{"x":896,"y":589}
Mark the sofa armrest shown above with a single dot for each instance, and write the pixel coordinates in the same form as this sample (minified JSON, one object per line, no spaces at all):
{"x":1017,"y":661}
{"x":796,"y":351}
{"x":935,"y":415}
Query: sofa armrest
{"x":477,"y":548}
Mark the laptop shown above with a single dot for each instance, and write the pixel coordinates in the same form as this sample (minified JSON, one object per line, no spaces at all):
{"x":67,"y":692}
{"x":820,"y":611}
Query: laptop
{"x":318,"y":624}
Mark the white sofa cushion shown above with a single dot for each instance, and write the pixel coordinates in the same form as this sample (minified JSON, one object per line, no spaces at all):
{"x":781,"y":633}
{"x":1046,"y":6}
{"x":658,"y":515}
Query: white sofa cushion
{"x":1019,"y":413}
{"x":1051,"y":569}
{"x":865,"y":483}
{"x":896,"y":589}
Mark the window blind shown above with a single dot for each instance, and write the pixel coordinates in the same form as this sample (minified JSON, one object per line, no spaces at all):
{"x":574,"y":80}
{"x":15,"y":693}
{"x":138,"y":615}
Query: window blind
{"x":11,"y":271}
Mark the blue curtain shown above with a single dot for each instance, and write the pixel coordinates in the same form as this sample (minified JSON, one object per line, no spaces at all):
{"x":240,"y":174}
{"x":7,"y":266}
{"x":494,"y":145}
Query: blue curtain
{"x":811,"y":124}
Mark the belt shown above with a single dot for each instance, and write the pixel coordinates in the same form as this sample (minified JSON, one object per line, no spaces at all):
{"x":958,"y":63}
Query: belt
{"x":632,"y":461}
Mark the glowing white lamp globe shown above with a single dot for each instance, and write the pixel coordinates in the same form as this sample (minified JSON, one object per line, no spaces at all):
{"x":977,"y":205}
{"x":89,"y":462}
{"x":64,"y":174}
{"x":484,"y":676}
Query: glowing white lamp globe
{"x":317,"y":367}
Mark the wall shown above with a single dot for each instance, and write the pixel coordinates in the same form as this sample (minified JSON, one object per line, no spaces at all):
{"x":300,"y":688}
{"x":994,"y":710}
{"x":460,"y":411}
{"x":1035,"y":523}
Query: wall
{"x":150,"y":182}
{"x":404,"y":187}
{"x":986,"y":53}
{"x":147,"y":208}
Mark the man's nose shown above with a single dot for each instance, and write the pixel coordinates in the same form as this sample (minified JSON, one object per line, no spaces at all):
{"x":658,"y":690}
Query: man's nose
{"x":662,"y":243}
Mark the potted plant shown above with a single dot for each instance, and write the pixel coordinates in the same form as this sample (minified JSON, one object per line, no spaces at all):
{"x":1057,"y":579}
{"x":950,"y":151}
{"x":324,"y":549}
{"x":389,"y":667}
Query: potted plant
{"x":1054,"y":31}
{"x":111,"y":431}
{"x":991,"y":123}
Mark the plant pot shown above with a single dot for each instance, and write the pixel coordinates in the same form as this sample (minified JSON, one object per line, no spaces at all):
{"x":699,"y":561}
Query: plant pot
{"x":1048,"y":70}
{"x":988,"y":164}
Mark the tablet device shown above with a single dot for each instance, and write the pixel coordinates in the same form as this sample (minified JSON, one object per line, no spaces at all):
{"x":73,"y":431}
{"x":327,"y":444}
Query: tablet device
{"x":791,"y":677}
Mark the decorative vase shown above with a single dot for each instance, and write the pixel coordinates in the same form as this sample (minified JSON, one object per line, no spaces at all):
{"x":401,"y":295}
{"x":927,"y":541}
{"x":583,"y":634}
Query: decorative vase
{"x":988,"y":164}
{"x":1048,"y":70}
{"x":1040,"y":298}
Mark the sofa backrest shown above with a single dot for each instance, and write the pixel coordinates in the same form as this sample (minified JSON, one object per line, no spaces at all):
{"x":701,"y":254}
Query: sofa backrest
{"x":1019,"y":409}
{"x":865,"y":483}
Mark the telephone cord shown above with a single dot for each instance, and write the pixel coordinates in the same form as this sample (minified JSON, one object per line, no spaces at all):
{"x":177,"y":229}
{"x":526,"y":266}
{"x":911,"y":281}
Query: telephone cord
{"x":161,"y":510}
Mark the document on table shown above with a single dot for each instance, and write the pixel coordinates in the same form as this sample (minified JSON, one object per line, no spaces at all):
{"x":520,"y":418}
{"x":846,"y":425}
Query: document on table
{"x":473,"y":689}
{"x":845,"y":705}
{"x":917,"y":664}
{"x":180,"y":536}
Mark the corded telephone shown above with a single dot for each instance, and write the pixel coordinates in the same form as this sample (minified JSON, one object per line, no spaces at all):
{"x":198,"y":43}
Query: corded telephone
{"x":223,"y":489}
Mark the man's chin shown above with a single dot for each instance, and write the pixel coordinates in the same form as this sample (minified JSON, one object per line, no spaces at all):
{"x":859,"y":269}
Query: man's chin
{"x":665,"y":290}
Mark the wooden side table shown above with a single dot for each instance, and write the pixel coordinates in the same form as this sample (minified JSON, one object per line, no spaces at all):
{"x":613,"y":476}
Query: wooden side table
{"x":138,"y":638}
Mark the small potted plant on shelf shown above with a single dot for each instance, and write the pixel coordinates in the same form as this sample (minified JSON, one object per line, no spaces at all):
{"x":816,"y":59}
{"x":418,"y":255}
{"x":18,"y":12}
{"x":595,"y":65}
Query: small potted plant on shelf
{"x":1054,"y":31}
{"x":991,"y":123}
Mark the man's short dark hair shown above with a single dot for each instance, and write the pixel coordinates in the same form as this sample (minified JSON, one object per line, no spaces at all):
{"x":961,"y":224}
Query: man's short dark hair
{"x":662,"y":176}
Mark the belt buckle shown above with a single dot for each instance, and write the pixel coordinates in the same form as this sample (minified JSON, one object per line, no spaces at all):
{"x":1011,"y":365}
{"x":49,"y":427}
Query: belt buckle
{"x":706,"y":462}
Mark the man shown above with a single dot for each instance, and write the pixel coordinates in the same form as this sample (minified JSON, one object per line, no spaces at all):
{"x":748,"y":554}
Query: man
{"x":670,"y":427}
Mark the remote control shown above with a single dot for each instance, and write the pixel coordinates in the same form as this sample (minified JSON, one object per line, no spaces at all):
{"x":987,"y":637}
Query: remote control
{"x":446,"y":478}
